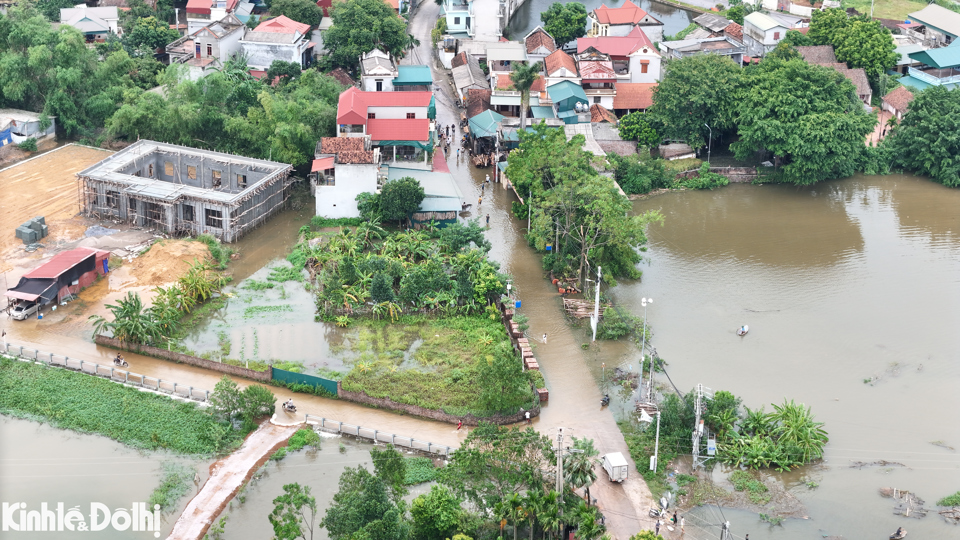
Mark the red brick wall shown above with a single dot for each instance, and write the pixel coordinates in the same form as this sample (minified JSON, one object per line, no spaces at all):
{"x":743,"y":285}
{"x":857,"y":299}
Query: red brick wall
{"x":156,"y":352}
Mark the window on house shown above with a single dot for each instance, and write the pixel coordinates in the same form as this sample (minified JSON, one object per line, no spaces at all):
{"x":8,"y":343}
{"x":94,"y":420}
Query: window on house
{"x":644,"y":67}
{"x":242,"y":181}
{"x":216,"y":178}
{"x":113,"y":199}
{"x":596,"y":99}
{"x":776,"y":35}
{"x":168,"y":168}
{"x":150,"y":170}
{"x":456,"y":20}
{"x":191,"y":172}
{"x":132,"y":205}
{"x":188,"y":212}
{"x":209,"y":50}
{"x":411,"y":115}
{"x":379,"y":86}
{"x":371,"y":116}
{"x":214,"y":218}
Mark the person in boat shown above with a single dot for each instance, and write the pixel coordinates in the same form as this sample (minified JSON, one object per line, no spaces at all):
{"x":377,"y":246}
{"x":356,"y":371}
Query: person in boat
{"x":898,"y":533}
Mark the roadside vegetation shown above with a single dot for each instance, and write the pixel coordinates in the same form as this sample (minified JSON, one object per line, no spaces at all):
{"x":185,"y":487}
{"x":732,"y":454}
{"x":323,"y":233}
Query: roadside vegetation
{"x":174,"y":485}
{"x":90,"y":404}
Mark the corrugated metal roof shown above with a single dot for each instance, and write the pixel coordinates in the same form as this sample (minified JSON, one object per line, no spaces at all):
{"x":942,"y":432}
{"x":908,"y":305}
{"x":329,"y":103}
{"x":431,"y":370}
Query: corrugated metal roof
{"x":938,"y":17}
{"x":61,"y":262}
{"x":939,"y":58}
{"x":762,"y":21}
{"x":413,"y":75}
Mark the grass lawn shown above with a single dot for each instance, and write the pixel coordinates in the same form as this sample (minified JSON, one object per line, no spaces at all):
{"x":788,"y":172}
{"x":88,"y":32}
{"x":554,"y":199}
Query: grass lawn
{"x":89,"y":404}
{"x":427,"y":362}
{"x":886,"y":9}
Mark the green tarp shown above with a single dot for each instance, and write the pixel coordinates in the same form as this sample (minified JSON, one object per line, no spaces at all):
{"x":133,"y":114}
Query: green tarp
{"x":485,"y":124}
{"x":290,"y":377}
{"x":432,"y":109}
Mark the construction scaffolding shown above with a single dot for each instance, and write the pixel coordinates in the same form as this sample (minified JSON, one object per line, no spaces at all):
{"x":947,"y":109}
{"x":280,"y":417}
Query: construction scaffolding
{"x":184,"y":191}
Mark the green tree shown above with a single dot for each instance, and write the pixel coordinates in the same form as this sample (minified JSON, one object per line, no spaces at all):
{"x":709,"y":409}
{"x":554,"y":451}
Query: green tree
{"x":362,"y":509}
{"x":294,"y":513}
{"x":226,"y":400}
{"x":391,"y":468}
{"x":925,"y":141}
{"x":360,"y":26}
{"x":287,"y":71}
{"x":495,"y":461}
{"x":381,"y":289}
{"x":51,"y":8}
{"x":435,"y":514}
{"x":565,"y":22}
{"x":796,"y":430}
{"x":696,"y":92}
{"x":825,"y":24}
{"x":523,"y":76}
{"x":258,"y":401}
{"x":795,"y":38}
{"x":132,"y":322}
{"x":647,"y":535}
{"x":400,"y":198}
{"x":739,"y":11}
{"x":368,"y":204}
{"x":639,"y":173}
{"x":807,"y":116}
{"x":640,"y":127}
{"x":456,"y":236}
{"x":149,"y":34}
{"x":304,"y":11}
{"x":579,"y":470}
{"x":868,"y":45}
{"x":503,"y":388}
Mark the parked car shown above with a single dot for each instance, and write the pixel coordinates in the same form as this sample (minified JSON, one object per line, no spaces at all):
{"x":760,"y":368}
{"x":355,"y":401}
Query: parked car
{"x":616,"y":466}
{"x":23,"y":309}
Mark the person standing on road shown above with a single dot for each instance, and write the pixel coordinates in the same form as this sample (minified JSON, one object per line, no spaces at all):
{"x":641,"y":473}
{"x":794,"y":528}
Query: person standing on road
{"x":488,"y":220}
{"x":656,"y":528}
{"x":681,"y":527}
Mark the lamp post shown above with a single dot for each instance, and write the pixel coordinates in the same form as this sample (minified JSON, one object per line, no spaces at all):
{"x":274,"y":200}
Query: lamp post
{"x":643,"y":340}
{"x":709,"y":143}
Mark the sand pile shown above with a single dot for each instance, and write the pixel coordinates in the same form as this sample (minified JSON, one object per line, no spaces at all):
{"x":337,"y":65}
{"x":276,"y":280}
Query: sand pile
{"x":166,"y":261}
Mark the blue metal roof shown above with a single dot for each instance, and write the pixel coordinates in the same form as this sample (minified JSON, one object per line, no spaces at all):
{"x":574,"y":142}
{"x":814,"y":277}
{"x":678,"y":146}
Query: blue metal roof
{"x":413,"y":75}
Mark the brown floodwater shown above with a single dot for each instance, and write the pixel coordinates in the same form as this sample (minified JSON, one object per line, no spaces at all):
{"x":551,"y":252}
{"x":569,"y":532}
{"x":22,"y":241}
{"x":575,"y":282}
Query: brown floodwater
{"x":850,"y":289}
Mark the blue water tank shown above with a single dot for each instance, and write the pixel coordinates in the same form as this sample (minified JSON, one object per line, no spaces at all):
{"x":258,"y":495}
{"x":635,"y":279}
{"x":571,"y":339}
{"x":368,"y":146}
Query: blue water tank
{"x":517,"y":304}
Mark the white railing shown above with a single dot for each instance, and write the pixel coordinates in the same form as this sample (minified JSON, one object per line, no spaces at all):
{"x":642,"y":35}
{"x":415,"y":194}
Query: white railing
{"x":336,"y":426}
{"x":930,"y":79}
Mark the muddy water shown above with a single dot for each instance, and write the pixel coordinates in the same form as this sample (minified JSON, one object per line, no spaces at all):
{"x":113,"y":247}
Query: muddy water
{"x":840,"y":283}
{"x":320,"y":469}
{"x":40,"y":464}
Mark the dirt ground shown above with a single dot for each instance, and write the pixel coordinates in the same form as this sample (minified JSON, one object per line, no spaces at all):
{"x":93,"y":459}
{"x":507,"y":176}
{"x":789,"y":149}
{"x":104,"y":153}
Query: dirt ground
{"x":45,"y":185}
{"x":166,"y":261}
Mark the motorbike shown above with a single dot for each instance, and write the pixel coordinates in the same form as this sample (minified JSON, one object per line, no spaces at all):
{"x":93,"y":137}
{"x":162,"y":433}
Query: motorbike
{"x":662,"y":511}
{"x":289,"y":407}
{"x":120,"y":362}
{"x":605,"y":400}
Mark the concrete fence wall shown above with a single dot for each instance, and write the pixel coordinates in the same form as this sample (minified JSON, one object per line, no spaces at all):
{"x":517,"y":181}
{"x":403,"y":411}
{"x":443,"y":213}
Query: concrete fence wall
{"x":360,"y":432}
{"x":156,"y":352}
{"x":735,"y":174}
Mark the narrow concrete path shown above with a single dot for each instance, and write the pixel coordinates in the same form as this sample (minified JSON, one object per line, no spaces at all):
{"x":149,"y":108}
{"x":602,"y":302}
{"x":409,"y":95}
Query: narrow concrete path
{"x":227,"y":476}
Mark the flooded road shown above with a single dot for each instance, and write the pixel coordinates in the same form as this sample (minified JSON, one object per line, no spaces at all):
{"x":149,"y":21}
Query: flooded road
{"x":850,"y":290}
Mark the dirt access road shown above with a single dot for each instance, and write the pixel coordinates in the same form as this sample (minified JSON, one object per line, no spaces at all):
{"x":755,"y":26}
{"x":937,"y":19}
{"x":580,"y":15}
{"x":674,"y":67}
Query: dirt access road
{"x":44,"y":185}
{"x":227,"y":476}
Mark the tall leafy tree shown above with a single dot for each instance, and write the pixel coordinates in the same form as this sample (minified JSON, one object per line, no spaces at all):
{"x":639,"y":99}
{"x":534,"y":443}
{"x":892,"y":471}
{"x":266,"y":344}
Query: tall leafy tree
{"x":926,"y":140}
{"x":435,"y":514}
{"x":825,"y":24}
{"x":294,"y":513}
{"x":360,"y":26}
{"x":149,"y":34}
{"x":698,"y":91}
{"x":523,"y":76}
{"x":640,"y":127}
{"x":51,"y":8}
{"x":807,"y":116}
{"x":868,"y":45}
{"x":304,"y":11}
{"x":391,"y":468}
{"x":400,"y":198}
{"x":496,"y":461}
{"x":565,"y":22}
{"x":503,"y":388}
{"x":362,"y":509}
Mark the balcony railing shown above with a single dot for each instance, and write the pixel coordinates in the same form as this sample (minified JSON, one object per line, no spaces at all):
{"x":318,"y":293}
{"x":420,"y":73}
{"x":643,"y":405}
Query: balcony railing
{"x":506,"y":93}
{"x":934,"y":80}
{"x":600,"y":91}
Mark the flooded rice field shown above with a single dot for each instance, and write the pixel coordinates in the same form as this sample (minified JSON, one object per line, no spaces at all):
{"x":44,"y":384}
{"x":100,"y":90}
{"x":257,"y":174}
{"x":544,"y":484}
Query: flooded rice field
{"x":41,"y":464}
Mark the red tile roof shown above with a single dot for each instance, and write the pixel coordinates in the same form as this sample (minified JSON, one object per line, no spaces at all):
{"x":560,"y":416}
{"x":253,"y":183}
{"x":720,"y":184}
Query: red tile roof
{"x":597,"y":71}
{"x":539,"y":38}
{"x":559,"y":59}
{"x":616,"y":45}
{"x":478,"y":100}
{"x":335,"y":145}
{"x":282,"y":25}
{"x":899,"y":98}
{"x":504,"y":82}
{"x":403,"y":129}
{"x":539,"y":85}
{"x":325,"y":5}
{"x":353,"y":103}
{"x":601,"y":114}
{"x":734,"y":30}
{"x":459,"y":60}
{"x":634,"y":95}
{"x":322,"y":164}
{"x":628,"y":13}
{"x":203,"y":6}
{"x":342,"y":77}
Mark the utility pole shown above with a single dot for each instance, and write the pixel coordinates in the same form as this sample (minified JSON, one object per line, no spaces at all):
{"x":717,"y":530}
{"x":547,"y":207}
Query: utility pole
{"x":595,"y":318}
{"x":643,"y":346}
{"x":656,"y":446}
{"x":709,"y":143}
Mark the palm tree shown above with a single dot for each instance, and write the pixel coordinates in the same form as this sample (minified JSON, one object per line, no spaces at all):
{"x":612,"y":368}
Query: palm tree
{"x":516,"y":511}
{"x":580,"y":471}
{"x":795,"y":427}
{"x":549,"y":514}
{"x":523,"y":77}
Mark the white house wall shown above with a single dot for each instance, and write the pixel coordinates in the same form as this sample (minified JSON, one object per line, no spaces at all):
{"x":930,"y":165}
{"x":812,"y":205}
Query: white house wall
{"x":262,"y":55}
{"x":340,"y":200}
{"x":369,"y":83}
{"x":397,"y":112}
{"x":653,"y":69}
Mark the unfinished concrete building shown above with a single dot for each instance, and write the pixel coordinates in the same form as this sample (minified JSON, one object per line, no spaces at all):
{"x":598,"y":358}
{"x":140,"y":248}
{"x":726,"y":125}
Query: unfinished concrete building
{"x":184,"y":191}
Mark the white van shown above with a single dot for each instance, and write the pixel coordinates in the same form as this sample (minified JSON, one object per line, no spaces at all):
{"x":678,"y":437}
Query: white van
{"x":23,"y":309}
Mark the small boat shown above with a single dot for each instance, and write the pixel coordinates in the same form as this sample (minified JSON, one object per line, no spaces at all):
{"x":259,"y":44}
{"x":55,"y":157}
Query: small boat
{"x":742,"y":331}
{"x":900,"y":534}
